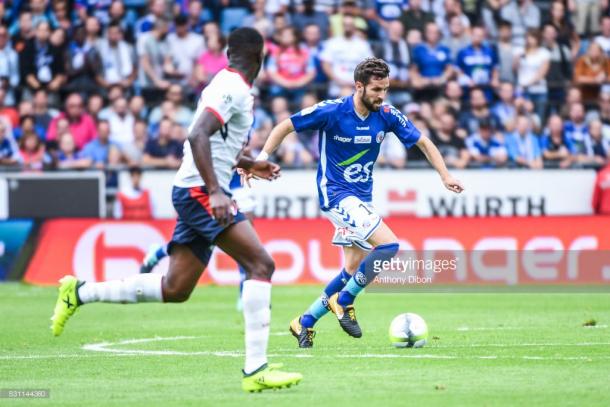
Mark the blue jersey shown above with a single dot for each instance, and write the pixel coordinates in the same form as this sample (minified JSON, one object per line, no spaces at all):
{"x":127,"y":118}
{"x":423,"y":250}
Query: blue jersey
{"x":390,"y":10}
{"x":431,"y":62}
{"x":349,"y":145}
{"x":478,"y":64}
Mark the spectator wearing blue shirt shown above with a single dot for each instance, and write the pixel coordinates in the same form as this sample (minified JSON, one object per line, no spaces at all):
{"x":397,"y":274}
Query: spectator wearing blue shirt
{"x":67,"y":157}
{"x":523,"y":146}
{"x":101,"y":151}
{"x":162,"y":151}
{"x":312,"y":37}
{"x":479,"y":111}
{"x":577,"y":131}
{"x":431,"y":65}
{"x":311,"y":17}
{"x":485,"y":147}
{"x":600,"y":146}
{"x":8,"y":153}
{"x":505,"y":109}
{"x":478,"y":64}
{"x":396,"y":54}
{"x":389,"y":10}
{"x":145,"y":24}
{"x":556,"y":148}
{"x":27,"y":123}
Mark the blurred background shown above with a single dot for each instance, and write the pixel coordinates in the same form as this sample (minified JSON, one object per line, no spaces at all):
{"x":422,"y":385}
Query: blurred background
{"x":96,"y":97}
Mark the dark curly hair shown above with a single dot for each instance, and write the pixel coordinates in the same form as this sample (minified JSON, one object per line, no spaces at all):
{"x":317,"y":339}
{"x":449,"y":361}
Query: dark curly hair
{"x":371,"y":68}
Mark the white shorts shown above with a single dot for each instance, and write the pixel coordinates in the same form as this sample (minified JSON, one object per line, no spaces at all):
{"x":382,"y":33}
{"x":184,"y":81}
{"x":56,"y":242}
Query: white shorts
{"x":244,"y":198}
{"x":354,"y":221}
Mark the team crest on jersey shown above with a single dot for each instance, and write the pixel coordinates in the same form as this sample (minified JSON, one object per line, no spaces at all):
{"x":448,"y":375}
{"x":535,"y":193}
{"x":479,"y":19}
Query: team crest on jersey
{"x":386,"y":109}
{"x":380,"y":136}
{"x":227,"y":99}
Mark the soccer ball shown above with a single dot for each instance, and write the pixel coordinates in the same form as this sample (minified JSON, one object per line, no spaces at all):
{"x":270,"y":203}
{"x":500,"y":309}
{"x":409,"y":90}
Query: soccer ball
{"x":408,"y":331}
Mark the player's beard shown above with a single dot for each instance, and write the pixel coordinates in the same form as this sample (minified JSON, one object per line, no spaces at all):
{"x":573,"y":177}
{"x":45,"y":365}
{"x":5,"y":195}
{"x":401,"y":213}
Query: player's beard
{"x":370,"y":104}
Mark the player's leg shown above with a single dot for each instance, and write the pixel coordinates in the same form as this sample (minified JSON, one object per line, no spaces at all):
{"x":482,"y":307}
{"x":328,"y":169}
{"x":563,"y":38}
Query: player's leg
{"x":302,"y":327}
{"x":242,"y":271}
{"x":184,"y":272}
{"x":385,"y":245}
{"x":241,"y":242}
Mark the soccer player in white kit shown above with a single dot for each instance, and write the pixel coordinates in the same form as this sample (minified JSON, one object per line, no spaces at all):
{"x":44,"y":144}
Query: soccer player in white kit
{"x":208,"y":217}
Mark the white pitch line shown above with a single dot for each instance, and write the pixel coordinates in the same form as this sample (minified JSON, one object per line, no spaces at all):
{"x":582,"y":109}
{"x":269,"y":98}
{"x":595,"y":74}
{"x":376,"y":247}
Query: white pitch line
{"x":497,"y":328}
{"x":300,"y":356}
{"x":511,"y":328}
{"x":105,"y":347}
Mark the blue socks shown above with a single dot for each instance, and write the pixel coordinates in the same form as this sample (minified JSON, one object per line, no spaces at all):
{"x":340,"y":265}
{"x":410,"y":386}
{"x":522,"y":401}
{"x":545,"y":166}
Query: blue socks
{"x":161,"y":252}
{"x":366,"y":272}
{"x":318,"y":309}
{"x":349,"y":286}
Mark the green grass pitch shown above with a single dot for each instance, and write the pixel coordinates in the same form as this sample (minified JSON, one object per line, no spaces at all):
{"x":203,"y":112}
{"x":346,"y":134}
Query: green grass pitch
{"x":484,"y":349}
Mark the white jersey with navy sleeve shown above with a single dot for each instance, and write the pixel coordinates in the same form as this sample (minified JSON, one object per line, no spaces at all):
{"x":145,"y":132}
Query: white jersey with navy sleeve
{"x":349,"y":145}
{"x":229,"y":98}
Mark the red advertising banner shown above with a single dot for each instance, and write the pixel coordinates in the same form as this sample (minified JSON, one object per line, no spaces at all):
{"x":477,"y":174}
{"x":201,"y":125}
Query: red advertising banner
{"x":550,"y":250}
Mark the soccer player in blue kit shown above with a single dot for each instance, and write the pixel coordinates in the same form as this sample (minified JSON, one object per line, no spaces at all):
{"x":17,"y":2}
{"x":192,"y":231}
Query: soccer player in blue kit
{"x":351,"y":131}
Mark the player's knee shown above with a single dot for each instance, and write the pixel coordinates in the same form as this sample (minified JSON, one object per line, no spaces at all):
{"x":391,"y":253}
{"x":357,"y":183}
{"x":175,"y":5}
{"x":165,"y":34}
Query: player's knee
{"x":352,"y":266}
{"x":180,"y":296}
{"x":175,"y":293}
{"x":263,"y":268}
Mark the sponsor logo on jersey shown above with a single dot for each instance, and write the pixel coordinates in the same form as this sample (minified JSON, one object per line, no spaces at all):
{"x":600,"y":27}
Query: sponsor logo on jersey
{"x":363,"y":128}
{"x":342,"y":139}
{"x":227,"y":98}
{"x":356,"y":172}
{"x":380,"y":136}
{"x":401,"y":117}
{"x":362,"y":140}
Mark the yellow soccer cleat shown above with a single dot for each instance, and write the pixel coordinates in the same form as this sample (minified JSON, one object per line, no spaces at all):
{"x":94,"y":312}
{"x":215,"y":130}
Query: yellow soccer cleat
{"x":66,"y":304}
{"x":346,"y":316}
{"x":304,"y":335}
{"x":268,"y":377}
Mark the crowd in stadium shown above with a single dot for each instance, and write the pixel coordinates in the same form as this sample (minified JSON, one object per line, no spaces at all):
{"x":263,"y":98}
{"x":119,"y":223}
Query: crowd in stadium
{"x":494,"y":83}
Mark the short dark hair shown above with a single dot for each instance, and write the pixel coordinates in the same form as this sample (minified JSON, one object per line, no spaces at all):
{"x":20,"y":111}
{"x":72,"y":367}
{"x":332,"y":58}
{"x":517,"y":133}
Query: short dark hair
{"x":245,"y":42}
{"x":135,"y":170}
{"x":181,"y":20}
{"x":371,"y":68}
{"x":115,"y":24}
{"x":505,"y":24}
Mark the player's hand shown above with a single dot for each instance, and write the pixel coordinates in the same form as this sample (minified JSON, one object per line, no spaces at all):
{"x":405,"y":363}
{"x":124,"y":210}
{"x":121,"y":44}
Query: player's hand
{"x":265,"y":170}
{"x":260,"y":170}
{"x":222,"y":207}
{"x":453,"y":184}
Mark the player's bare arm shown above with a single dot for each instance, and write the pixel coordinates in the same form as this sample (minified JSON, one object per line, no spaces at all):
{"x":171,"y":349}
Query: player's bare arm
{"x":277,"y":135}
{"x":436,"y":160}
{"x":199,"y":138}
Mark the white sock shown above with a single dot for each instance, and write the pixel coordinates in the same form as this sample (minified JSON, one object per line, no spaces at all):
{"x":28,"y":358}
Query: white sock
{"x":256,"y":299}
{"x":138,"y":288}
